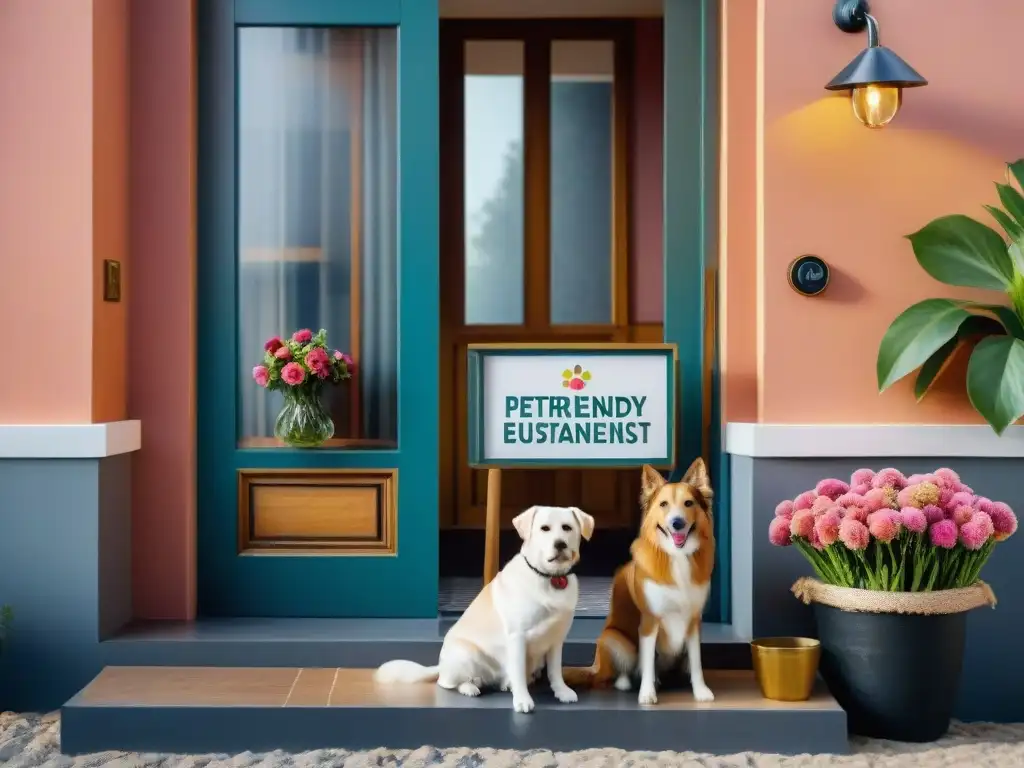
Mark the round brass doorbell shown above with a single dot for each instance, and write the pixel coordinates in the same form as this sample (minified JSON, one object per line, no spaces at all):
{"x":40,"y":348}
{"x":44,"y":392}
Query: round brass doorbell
{"x":808,"y":275}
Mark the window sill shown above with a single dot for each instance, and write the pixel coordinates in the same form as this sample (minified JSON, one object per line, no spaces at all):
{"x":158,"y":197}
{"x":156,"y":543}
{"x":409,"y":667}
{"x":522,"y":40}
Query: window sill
{"x":871,"y":440}
{"x":69,"y":441}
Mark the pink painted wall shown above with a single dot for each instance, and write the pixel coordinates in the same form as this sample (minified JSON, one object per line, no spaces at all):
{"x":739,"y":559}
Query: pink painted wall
{"x":647,"y":303}
{"x":162,"y":329}
{"x":47,"y":203}
{"x":824,"y":184}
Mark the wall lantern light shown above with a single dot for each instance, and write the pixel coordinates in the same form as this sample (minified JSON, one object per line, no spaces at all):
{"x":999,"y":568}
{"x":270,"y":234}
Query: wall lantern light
{"x":877,"y":76}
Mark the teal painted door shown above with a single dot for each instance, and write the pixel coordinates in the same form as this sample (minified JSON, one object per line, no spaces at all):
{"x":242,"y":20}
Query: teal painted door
{"x":318,"y":208}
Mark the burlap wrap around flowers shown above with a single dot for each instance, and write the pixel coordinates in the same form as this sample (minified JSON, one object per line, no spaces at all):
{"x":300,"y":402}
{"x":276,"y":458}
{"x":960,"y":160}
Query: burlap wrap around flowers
{"x":871,"y":601}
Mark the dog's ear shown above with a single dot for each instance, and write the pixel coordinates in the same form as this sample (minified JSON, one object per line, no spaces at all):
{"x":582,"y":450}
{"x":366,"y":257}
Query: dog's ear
{"x":523,"y":523}
{"x":586,"y":522}
{"x":697,"y":477}
{"x":651,"y":481}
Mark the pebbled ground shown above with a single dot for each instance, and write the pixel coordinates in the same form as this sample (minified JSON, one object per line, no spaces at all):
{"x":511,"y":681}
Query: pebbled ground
{"x":27,"y":741}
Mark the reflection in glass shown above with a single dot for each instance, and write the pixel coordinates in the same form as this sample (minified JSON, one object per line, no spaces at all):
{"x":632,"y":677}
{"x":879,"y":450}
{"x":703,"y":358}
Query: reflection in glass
{"x":494,"y":181}
{"x":582,"y":80}
{"x":317,"y":214}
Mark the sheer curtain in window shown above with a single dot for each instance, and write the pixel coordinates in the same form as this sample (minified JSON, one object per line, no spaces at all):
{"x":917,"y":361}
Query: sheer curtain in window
{"x":318,"y":214}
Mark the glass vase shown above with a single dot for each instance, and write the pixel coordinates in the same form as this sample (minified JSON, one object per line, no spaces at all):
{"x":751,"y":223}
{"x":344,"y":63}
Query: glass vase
{"x":303,"y":422}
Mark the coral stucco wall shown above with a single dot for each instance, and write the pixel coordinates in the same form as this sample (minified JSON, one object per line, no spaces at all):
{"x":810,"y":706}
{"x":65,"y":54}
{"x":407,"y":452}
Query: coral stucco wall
{"x":63,"y":207}
{"x":801,"y":175}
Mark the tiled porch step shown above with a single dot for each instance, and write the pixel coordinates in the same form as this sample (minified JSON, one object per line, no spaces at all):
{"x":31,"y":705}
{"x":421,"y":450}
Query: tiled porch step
{"x":231,"y":710}
{"x":281,"y":642}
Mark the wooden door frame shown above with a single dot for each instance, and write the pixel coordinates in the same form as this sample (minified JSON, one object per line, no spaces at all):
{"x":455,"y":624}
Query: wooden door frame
{"x":690,"y":247}
{"x":537,"y":36}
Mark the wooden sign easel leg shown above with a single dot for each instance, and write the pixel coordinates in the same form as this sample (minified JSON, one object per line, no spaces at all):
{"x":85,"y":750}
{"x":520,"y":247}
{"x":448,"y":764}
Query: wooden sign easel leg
{"x":492,"y":524}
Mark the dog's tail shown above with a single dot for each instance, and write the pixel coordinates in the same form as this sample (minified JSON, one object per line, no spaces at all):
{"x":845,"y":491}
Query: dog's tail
{"x":579,"y":677}
{"x":401,"y":671}
{"x":616,"y":654}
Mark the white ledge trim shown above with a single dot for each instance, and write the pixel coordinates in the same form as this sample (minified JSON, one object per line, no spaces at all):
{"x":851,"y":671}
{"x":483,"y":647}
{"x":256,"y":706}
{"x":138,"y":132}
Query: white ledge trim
{"x":69,"y":441}
{"x":869,"y":440}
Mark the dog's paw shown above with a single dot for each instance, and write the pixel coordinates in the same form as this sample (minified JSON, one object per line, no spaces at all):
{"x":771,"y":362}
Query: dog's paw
{"x":522,"y":704}
{"x":623,"y":683}
{"x":647,"y":696}
{"x":505,"y":686}
{"x":469,"y":689}
{"x":566,"y":695}
{"x":703,"y":693}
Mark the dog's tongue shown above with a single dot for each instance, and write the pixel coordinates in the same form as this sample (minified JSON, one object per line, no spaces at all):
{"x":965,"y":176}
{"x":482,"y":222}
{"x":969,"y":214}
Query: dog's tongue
{"x":679,"y":539}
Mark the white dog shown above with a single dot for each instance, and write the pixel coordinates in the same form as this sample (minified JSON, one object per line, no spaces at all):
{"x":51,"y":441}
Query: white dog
{"x":519,"y":621}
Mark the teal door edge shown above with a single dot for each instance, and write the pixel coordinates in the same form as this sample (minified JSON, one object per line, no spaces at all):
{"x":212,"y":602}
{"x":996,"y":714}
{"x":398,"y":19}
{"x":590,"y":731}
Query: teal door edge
{"x":690,"y":245}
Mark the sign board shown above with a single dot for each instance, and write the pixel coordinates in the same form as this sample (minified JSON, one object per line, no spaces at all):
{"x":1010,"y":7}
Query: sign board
{"x":572,"y":405}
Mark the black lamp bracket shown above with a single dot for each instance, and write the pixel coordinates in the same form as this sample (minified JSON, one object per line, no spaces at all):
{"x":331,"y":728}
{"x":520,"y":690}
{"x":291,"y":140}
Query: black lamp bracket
{"x":851,"y":15}
{"x":855,"y":16}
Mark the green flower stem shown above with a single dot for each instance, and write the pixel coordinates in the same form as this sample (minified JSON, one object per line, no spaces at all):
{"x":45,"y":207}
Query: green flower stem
{"x":953,"y":558}
{"x":975,"y":561}
{"x":908,"y":563}
{"x":840,"y":568}
{"x":821,"y":567}
{"x":896,"y":569}
{"x":869,"y":577}
{"x":932,"y":576}
{"x":920,"y":562}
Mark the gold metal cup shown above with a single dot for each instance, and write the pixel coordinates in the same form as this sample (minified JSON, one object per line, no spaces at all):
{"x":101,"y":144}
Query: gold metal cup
{"x":786,"y":667}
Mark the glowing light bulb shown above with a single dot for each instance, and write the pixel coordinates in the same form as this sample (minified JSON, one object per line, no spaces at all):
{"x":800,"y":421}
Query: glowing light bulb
{"x":876,"y":105}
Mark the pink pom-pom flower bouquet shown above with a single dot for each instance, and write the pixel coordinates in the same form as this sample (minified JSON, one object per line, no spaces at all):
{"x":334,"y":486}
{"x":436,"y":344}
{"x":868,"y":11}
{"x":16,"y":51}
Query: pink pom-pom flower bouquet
{"x":884,"y":531}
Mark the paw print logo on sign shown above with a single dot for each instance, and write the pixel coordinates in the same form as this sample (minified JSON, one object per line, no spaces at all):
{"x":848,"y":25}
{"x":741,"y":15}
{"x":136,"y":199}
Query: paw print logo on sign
{"x":575,"y":379}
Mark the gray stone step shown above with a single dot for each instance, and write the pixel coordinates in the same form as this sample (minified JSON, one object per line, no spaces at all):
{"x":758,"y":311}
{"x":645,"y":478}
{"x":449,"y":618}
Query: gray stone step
{"x":231,"y":710}
{"x":282,"y":642}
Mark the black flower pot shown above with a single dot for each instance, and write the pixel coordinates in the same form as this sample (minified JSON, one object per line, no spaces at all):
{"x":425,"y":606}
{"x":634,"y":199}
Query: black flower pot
{"x":896,"y":675}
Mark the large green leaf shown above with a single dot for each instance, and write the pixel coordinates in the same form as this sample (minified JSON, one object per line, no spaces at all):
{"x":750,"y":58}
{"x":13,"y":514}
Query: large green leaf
{"x":1011,"y":227}
{"x":915,"y":336}
{"x":957,"y":250}
{"x":976,"y":325}
{"x":1012,"y":202}
{"x":1005,"y":315}
{"x":1016,"y":251}
{"x":995,"y":381}
{"x":1017,"y":170}
{"x":933,"y":366}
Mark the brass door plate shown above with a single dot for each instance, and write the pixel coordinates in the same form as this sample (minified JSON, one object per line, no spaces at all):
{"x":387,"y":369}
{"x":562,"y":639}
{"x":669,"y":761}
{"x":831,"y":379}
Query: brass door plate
{"x":111,"y":280}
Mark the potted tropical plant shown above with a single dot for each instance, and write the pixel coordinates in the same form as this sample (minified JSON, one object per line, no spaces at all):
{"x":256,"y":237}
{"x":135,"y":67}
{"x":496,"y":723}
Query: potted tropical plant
{"x":898,"y":561}
{"x":958,"y":250}
{"x":300,"y":367}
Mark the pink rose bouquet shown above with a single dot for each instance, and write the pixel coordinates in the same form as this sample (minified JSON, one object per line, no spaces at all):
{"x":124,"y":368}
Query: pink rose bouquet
{"x":304,"y":360}
{"x":885,"y":531}
{"x":299,"y":367}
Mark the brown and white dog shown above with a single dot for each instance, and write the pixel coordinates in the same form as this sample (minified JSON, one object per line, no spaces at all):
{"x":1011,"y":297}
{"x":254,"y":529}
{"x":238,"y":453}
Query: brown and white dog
{"x":658,"y":597}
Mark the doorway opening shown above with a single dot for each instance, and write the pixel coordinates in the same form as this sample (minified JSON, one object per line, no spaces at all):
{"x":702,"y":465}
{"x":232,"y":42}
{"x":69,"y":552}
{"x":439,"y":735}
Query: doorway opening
{"x":551,"y":231}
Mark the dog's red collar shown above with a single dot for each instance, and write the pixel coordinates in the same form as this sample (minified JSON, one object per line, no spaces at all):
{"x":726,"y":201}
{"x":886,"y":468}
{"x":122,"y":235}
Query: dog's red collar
{"x":558,"y":581}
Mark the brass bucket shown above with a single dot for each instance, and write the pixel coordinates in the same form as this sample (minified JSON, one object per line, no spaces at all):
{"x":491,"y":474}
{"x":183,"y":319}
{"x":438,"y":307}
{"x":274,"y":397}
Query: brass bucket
{"x":786,"y":667}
